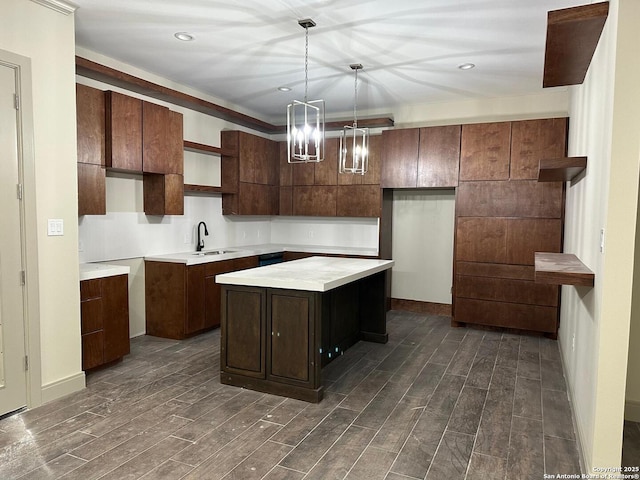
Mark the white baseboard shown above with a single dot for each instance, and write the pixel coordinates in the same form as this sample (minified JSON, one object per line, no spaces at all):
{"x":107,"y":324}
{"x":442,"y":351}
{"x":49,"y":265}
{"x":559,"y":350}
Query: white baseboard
{"x":632,"y":410}
{"x":577,"y":425}
{"x":60,"y":388}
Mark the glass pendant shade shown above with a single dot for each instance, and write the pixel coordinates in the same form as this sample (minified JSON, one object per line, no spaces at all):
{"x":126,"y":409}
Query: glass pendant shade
{"x":354,"y":141}
{"x":305,"y":131}
{"x":354,"y":150}
{"x":305,"y":120}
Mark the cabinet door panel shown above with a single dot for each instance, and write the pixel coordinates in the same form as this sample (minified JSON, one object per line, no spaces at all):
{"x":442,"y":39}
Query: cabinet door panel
{"x":123,"y":132}
{"x":400,"y":158}
{"x":302,"y":173}
{"x":255,"y":199}
{"x":289,"y":336}
{"x":315,"y":201}
{"x":326,"y":172}
{"x":91,"y":189}
{"x":245,"y":262}
{"x":115,"y":301}
{"x":439,"y":156}
{"x":506,"y":290}
{"x":175,"y":140}
{"x":155,"y":131}
{"x":481,"y":240}
{"x":286,"y":201}
{"x":534,"y":140}
{"x":527,"y":236}
{"x":163,"y":194}
{"x":90,"y":114}
{"x":92,"y":350}
{"x":244,"y":323}
{"x":286,"y":170}
{"x":484,"y":152}
{"x":511,"y":315}
{"x":195,"y":299}
{"x":90,"y":289}
{"x":509,"y":199}
{"x":358,"y":201}
{"x":250,"y":156}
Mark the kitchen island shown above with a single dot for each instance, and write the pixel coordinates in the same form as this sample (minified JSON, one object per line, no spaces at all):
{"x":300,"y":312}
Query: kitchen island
{"x":282,"y":323}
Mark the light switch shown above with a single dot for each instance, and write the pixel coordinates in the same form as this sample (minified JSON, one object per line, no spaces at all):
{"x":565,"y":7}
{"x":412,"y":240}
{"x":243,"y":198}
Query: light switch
{"x":55,"y":227}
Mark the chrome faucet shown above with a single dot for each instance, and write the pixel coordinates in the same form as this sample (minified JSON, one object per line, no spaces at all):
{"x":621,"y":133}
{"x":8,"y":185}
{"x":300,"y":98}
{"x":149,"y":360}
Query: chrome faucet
{"x":200,"y":245}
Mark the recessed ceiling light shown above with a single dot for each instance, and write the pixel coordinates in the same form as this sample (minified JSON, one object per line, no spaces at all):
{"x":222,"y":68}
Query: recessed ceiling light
{"x":466,"y":66}
{"x":284,"y":89}
{"x":184,"y":36}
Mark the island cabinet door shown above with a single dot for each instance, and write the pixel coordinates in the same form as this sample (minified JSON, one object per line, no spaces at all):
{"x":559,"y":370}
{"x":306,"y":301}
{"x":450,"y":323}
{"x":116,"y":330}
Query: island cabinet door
{"x":243,"y":331}
{"x":292,"y":340}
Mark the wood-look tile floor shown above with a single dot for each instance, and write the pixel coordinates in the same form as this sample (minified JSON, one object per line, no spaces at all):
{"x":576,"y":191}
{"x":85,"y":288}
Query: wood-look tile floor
{"x":435,"y":402}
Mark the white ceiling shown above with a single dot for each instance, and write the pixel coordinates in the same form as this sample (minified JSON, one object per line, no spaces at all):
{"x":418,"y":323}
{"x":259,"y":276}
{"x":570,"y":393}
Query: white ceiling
{"x":410,"y":49}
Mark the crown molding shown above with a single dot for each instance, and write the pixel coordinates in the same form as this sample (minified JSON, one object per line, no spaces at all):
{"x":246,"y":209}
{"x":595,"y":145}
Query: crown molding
{"x":59,"y":6}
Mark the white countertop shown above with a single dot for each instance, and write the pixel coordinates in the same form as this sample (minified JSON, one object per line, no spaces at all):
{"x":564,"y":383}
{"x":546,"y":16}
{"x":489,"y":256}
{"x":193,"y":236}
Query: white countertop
{"x":193,"y":258}
{"x":316,"y":274}
{"x":89,"y":271}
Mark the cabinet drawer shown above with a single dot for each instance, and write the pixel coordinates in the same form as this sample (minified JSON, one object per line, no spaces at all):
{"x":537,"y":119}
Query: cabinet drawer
{"x":506,"y":290}
{"x":90,"y":289}
{"x":511,"y":315}
{"x":91,"y":315}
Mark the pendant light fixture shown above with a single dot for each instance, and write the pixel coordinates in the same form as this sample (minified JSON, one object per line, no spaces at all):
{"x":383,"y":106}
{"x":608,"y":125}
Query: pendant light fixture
{"x":354,"y":141}
{"x":305,"y":120}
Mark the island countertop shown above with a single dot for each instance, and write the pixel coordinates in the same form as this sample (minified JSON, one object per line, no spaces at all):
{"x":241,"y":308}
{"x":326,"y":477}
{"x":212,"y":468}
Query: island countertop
{"x":315,"y":274}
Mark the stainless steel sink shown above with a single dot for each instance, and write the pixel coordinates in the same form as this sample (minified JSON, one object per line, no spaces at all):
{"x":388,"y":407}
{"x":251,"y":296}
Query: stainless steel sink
{"x":213,"y":252}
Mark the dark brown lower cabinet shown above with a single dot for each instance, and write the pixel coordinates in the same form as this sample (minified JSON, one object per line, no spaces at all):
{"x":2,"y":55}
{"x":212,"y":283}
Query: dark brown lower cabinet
{"x":104,"y":309}
{"x":277,"y":340}
{"x":181,"y":300}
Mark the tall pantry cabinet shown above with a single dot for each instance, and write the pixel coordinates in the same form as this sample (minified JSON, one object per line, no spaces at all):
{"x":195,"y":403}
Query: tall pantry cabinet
{"x":503,"y":216}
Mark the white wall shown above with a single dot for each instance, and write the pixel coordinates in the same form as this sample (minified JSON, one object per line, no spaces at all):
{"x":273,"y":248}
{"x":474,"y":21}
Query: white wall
{"x":423,"y":226}
{"x":605,"y":121}
{"x":47,"y":38}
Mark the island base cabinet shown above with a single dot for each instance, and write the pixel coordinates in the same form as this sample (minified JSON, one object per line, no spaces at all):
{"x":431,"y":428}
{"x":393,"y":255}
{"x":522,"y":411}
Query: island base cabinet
{"x":277,"y":340}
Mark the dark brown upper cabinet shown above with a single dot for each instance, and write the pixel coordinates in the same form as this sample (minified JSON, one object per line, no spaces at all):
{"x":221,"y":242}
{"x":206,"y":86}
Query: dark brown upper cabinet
{"x":90,"y":113}
{"x":90,"y":118}
{"x":439,"y":157}
{"x":421,"y":157}
{"x":535,"y":140}
{"x":485,"y":149}
{"x":123,"y":132}
{"x":250,"y":174}
{"x":400,"y":158}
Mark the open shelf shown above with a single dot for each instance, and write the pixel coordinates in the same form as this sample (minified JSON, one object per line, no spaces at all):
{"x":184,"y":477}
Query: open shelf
{"x":204,"y":189}
{"x":560,"y":169}
{"x":206,"y":149}
{"x":572,"y":37}
{"x":562,"y":269}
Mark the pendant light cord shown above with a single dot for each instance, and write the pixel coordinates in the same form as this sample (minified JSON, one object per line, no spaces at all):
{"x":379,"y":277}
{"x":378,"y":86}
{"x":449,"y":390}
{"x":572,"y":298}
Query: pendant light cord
{"x":355,"y":101}
{"x":306,"y":61}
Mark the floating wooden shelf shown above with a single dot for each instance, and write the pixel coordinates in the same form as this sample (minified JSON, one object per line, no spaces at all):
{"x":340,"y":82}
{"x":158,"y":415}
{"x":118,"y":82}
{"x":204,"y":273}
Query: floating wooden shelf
{"x":562,"y":269}
{"x":206,"y":149}
{"x":560,"y":169}
{"x":204,"y":189}
{"x":572,"y":37}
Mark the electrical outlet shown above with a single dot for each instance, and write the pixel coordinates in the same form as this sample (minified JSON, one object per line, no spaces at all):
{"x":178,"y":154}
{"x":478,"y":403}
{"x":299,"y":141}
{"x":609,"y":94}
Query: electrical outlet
{"x":573,"y":343}
{"x":80,"y":246}
{"x":602,"y":240}
{"x":244,"y":235}
{"x":310,"y":233}
{"x":187,"y":238}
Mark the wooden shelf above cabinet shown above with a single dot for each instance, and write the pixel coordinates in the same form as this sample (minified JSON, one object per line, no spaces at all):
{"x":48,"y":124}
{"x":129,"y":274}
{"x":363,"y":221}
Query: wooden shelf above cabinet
{"x":572,"y":37}
{"x":206,"y":149}
{"x":560,"y":169}
{"x":562,"y":269}
{"x":204,"y":189}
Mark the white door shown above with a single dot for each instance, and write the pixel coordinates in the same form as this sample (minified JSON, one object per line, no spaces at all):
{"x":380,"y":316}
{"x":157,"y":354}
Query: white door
{"x":13,"y":380}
